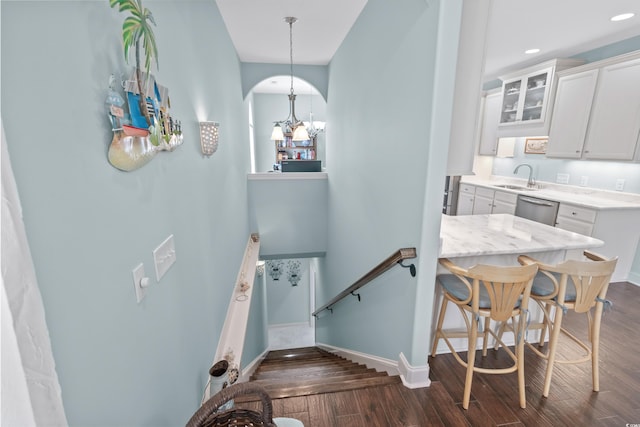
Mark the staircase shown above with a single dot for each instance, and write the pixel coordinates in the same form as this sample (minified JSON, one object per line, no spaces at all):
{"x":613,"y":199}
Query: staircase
{"x":310,"y":370}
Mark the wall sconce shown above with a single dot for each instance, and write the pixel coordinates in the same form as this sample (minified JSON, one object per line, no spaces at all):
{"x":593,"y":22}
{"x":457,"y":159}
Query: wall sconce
{"x":209,"y":137}
{"x":274,"y":267}
{"x":294,"y":272}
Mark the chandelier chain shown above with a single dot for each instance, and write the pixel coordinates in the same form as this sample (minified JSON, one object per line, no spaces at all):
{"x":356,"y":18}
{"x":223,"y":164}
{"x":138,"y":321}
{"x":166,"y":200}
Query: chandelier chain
{"x":291,"y":21}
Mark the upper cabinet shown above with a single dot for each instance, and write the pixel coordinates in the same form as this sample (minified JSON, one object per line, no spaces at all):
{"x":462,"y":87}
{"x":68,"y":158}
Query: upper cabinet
{"x":527,"y":99}
{"x":488,"y":137}
{"x":597,"y":111}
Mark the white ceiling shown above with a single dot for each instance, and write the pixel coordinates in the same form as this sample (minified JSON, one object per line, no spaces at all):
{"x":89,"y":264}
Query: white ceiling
{"x":559,"y":28}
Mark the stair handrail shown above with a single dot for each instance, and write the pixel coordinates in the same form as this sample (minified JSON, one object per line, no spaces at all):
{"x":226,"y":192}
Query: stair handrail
{"x":396,"y":258}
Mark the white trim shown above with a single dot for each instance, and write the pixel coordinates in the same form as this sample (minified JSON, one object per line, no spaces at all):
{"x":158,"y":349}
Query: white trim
{"x":248,"y":370}
{"x":378,"y":363}
{"x":286,"y":176}
{"x":413,"y":376}
{"x":634,"y":278}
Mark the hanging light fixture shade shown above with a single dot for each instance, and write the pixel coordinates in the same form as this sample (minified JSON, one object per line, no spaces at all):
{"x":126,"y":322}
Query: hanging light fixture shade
{"x":293,"y":126}
{"x":277,"y":134}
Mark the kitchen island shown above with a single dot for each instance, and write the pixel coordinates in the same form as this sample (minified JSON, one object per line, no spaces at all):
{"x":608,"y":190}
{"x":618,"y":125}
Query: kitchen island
{"x":499,"y":239}
{"x":504,"y":237}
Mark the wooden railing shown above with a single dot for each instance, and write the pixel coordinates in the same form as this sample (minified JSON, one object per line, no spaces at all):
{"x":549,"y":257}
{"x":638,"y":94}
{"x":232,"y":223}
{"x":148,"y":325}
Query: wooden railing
{"x":396,"y":258}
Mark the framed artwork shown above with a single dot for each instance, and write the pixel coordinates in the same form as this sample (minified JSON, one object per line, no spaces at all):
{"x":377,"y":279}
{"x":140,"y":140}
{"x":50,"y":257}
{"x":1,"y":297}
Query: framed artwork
{"x":536,"y":145}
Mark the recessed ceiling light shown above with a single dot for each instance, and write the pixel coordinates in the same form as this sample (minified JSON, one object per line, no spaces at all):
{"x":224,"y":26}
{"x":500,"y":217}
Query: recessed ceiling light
{"x":530,"y":51}
{"x":622,"y":17}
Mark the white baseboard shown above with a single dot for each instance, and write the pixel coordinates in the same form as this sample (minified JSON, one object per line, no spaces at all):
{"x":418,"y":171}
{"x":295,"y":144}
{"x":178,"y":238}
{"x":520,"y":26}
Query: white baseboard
{"x":248,"y":370}
{"x":634,"y":278}
{"x":413,"y":376}
{"x":378,"y":363}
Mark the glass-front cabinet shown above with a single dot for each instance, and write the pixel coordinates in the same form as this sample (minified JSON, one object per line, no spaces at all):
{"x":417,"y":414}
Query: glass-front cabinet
{"x":525,"y":99}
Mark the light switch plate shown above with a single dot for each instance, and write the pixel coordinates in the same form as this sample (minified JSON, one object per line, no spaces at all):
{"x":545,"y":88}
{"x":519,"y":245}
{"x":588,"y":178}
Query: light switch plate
{"x":138,"y":275}
{"x":619,"y":184}
{"x":562,"y":178}
{"x":164,"y":256}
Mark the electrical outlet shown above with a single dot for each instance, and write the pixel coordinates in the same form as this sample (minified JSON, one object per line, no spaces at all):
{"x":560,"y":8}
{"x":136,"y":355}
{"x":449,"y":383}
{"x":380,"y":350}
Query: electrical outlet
{"x":619,"y":184}
{"x":140,"y":282}
{"x":164,"y":256}
{"x":562,"y":178}
{"x":584,"y":181}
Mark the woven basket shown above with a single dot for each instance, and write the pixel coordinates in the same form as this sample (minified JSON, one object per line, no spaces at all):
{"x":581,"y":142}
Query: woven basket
{"x":207,"y":416}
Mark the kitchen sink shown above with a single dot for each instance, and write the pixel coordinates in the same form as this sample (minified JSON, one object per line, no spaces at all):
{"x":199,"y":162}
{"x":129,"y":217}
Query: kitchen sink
{"x":515,"y":187}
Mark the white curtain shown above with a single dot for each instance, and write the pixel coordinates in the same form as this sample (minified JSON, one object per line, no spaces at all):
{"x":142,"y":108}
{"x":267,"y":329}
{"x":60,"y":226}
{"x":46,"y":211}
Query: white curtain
{"x":30,"y":393}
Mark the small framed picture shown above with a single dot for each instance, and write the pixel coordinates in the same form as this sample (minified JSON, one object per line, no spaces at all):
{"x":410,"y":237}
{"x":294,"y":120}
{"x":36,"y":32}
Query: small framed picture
{"x":536,"y":145}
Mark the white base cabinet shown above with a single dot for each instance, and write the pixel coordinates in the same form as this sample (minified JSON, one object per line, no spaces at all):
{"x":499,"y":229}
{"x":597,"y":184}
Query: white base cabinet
{"x":474,"y":200}
{"x":619,"y":229}
{"x":466,"y":196}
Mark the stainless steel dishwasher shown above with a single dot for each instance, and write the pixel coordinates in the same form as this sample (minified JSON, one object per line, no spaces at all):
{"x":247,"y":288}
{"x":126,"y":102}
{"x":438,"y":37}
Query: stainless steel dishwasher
{"x":539,"y":210}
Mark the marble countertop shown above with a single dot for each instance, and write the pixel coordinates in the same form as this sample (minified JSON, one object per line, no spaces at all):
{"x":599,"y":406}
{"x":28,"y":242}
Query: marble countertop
{"x":497,"y":234}
{"x":581,"y":196}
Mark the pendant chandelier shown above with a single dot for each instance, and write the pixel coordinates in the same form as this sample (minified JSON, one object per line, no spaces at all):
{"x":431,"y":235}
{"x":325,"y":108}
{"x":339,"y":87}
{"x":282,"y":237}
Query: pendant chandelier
{"x":291,"y":126}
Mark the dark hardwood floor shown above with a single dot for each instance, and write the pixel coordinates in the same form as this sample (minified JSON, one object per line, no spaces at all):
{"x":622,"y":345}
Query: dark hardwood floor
{"x":494,"y":399}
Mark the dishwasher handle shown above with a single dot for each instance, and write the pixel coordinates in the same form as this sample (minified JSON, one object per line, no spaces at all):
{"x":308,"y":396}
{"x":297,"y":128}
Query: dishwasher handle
{"x":535,"y":201}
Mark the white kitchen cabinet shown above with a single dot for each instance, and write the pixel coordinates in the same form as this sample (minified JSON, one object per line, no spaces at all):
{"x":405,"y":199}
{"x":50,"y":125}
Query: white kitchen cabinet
{"x":575,"y":218}
{"x":619,"y":229}
{"x":504,"y":203}
{"x":483,"y":203}
{"x":466,"y":198}
{"x":474,"y":200}
{"x":615,"y":118}
{"x":527,"y":99}
{"x":488,"y":143}
{"x":596,"y":114}
{"x":571,"y":112}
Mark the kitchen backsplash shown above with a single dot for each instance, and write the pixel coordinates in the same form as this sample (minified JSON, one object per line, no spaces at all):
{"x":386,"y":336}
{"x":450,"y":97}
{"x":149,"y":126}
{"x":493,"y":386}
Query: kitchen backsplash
{"x":599,"y":174}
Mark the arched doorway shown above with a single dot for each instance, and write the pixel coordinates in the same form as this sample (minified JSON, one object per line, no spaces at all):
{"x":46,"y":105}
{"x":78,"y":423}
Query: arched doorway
{"x":269,"y":103}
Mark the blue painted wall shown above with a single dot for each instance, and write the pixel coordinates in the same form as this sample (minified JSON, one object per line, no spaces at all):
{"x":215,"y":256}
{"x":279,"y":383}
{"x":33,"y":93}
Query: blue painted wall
{"x":290,"y":215}
{"x":287,"y":303}
{"x":378,"y":173}
{"x":256,"y":341}
{"x":88,"y":224}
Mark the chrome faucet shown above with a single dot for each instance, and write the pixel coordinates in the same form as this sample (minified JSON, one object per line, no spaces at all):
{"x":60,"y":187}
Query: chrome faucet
{"x":531,"y":182}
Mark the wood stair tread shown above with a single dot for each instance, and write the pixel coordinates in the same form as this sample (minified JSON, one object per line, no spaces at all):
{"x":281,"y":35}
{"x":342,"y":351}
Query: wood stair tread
{"x":302,"y":389}
{"x":283,"y":381}
{"x":310,"y":370}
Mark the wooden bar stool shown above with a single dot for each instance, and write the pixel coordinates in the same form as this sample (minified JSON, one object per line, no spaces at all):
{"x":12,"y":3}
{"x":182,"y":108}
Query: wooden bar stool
{"x":571,"y":285}
{"x":493,"y":293}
